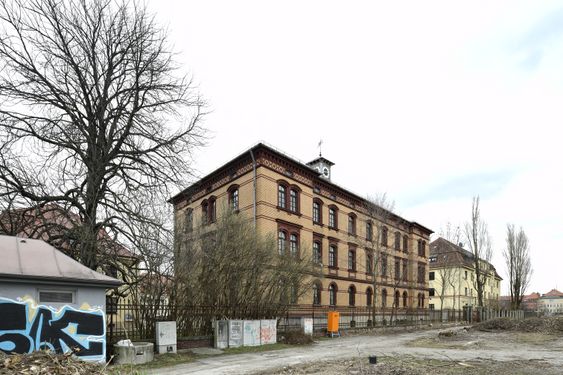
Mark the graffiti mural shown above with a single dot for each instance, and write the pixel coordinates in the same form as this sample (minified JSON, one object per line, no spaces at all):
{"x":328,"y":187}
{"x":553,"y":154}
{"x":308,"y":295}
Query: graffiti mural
{"x":26,"y":327}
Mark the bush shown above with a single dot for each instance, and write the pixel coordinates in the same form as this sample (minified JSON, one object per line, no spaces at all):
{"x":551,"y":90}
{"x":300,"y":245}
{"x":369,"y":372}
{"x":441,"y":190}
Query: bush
{"x":296,"y":338}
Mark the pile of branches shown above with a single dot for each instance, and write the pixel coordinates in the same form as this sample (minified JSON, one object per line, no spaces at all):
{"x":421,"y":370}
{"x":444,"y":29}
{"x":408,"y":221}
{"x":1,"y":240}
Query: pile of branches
{"x":547,"y":325}
{"x":47,"y":362}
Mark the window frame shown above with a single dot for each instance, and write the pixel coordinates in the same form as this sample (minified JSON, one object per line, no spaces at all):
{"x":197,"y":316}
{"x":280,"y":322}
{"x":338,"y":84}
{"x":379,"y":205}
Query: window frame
{"x":352,"y":260}
{"x":332,"y":256}
{"x":333,"y":217}
{"x":352,"y":295}
{"x":332,"y":294}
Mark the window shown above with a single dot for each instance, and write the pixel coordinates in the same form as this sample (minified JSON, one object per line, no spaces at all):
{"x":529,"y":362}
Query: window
{"x":352,"y":224}
{"x":405,"y":299}
{"x":352,"y":260}
{"x":352,"y":295}
{"x":333,"y":217}
{"x":465,"y":275}
{"x":384,"y":265}
{"x":204,"y":212}
{"x":384,"y":236}
{"x":369,"y":297}
{"x":189,"y":220}
{"x":56,"y":296}
{"x":421,"y":300}
{"x":293,"y":245}
{"x":317,"y":252}
{"x":397,"y":241}
{"x":212,"y":210}
{"x":281,"y":196}
{"x":421,"y":273}
{"x":421,"y":248}
{"x":233,"y":198}
{"x":431,"y":292}
{"x":431,"y":276}
{"x":433,"y":259}
{"x":332,"y":256}
{"x":405,"y":243}
{"x":282,"y":237}
{"x":369,"y":231}
{"x":317,"y":212}
{"x":431,"y":306}
{"x":397,"y":269}
{"x":369,"y":263}
{"x":332,"y":294}
{"x":397,"y":299}
{"x":293,"y":201}
{"x":316,"y":293}
{"x":384,"y":298}
{"x":466,"y":291}
{"x":405,"y":270}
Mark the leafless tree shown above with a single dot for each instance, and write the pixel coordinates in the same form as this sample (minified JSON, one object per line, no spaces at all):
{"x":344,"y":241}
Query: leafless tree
{"x":229,"y":264}
{"x":93,"y":113}
{"x":518,"y":264}
{"x":447,"y":270}
{"x":479,"y":241}
{"x":379,"y":210}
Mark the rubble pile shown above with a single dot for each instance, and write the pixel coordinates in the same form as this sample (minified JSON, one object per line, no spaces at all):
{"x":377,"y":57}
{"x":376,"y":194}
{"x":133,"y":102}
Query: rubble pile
{"x":47,"y":362}
{"x":547,"y":325}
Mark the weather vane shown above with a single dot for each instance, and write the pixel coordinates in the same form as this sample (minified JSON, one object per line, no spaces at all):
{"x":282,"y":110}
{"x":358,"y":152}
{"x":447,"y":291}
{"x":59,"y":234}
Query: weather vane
{"x":320,"y":144}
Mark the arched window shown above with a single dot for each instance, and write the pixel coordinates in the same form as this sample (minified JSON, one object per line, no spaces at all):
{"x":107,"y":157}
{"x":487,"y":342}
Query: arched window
{"x":352,"y":295}
{"x":421,"y":300}
{"x":317,"y":211}
{"x":397,"y":241}
{"x":332,"y":290}
{"x":281,"y":196}
{"x":384,"y":298}
{"x":204,"y":212}
{"x":405,"y":299}
{"x":332,"y":256}
{"x":212,"y":210}
{"x":333,"y":217}
{"x":369,"y":262}
{"x":294,"y":200}
{"x":293,"y":245}
{"x":317,"y":293}
{"x":405,"y":243}
{"x":384,"y":236}
{"x":317,"y":252}
{"x":369,"y":231}
{"x":397,"y":298}
{"x":282,"y":237}
{"x":233,"y":198}
{"x":352,"y":224}
{"x":369,"y":296}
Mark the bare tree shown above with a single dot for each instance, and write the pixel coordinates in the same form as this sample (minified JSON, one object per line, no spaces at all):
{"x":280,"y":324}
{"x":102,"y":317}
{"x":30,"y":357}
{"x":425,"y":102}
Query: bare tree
{"x":447,"y":269}
{"x":479,"y":241}
{"x":518,"y":264}
{"x":87,"y":88}
{"x":379,"y":210}
{"x":229,"y":264}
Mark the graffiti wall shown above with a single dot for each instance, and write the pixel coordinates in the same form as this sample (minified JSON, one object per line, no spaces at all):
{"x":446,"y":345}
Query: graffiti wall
{"x":26,"y":327}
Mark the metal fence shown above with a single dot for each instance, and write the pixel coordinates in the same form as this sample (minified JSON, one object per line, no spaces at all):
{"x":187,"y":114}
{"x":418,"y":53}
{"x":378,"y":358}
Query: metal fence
{"x":137,"y":322}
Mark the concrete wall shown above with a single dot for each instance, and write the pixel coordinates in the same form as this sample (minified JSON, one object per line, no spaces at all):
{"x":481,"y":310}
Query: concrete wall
{"x":28,"y":325}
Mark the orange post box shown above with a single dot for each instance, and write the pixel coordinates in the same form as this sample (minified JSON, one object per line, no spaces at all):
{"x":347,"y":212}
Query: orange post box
{"x":333,"y":320}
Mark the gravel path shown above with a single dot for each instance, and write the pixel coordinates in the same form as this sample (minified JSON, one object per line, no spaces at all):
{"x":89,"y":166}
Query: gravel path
{"x":388,"y":345}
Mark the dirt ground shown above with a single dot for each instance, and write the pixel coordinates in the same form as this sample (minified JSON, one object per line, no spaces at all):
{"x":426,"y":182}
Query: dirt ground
{"x":492,"y":348}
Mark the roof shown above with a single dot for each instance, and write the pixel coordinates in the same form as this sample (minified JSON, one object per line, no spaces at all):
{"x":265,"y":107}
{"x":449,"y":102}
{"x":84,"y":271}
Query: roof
{"x":553,"y":293}
{"x":28,"y":259}
{"x":450,"y":254}
{"x":304,"y":166}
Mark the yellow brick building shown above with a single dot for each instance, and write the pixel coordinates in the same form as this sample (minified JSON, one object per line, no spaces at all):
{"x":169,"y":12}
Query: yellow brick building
{"x":298,"y":203}
{"x":452,"y":278}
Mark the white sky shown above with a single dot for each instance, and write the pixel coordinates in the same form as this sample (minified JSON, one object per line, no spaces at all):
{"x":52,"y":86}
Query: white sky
{"x":432,"y":102}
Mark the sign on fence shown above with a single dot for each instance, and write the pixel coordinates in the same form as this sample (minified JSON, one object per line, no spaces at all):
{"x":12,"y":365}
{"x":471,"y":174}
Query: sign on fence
{"x":268,"y":332}
{"x":308,"y":326}
{"x":251,"y":333}
{"x":235,"y":333}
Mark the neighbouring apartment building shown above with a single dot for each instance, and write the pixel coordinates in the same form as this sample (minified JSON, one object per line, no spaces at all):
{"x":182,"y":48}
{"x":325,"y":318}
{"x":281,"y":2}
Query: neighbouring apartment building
{"x":304,"y":209}
{"x":551,"y":303}
{"x":452,"y":278}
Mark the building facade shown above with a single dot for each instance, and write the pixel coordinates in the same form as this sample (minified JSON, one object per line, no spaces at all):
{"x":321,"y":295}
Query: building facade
{"x":299,"y":204}
{"x":551,"y":303}
{"x":452,"y":278}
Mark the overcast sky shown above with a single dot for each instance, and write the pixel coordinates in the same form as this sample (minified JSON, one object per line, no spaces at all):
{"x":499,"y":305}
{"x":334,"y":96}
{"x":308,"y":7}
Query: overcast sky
{"x":432,"y":102}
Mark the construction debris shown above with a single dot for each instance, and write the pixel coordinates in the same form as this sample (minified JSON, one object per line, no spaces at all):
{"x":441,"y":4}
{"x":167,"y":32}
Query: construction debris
{"x":47,"y":362}
{"x":547,"y":325}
